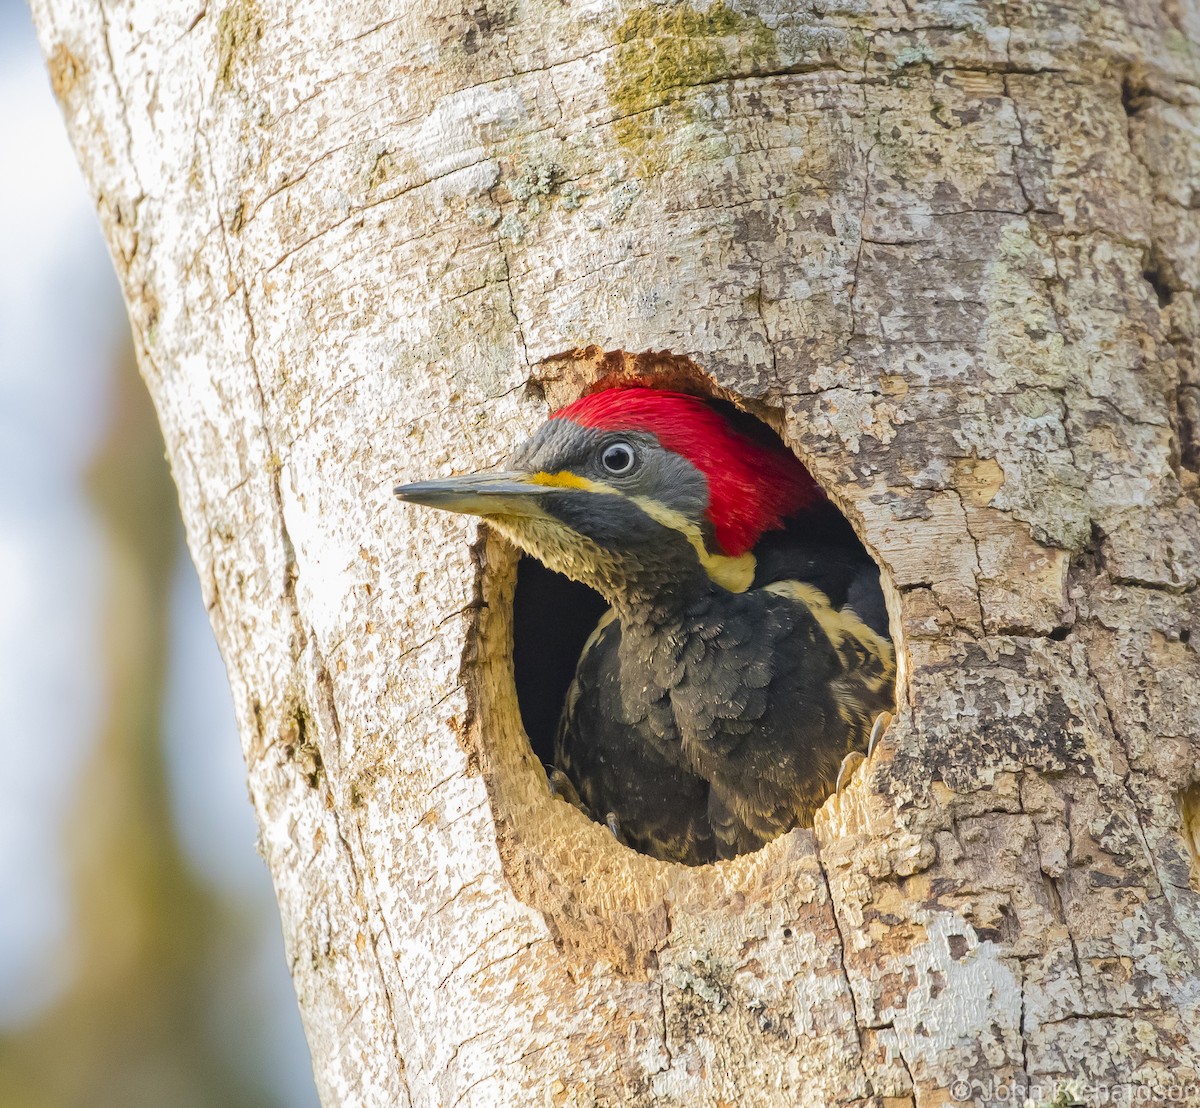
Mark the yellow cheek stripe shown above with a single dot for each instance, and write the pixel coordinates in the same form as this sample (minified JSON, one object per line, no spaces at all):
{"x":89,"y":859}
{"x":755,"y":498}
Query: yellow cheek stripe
{"x":734,"y":574}
{"x":565,"y":479}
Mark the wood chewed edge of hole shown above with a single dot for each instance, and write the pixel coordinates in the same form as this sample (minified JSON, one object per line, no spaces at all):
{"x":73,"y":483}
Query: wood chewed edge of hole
{"x":1189,"y":814}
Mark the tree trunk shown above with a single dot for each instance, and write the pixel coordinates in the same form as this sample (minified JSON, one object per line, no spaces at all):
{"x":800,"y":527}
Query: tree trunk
{"x":951,"y":250}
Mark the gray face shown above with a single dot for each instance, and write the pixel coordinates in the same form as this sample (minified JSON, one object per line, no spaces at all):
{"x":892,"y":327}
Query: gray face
{"x":600,"y":534}
{"x":655,"y":473}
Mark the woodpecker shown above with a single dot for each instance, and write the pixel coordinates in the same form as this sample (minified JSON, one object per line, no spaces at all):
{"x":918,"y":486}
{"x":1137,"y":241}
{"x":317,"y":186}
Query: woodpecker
{"x":745,"y":655}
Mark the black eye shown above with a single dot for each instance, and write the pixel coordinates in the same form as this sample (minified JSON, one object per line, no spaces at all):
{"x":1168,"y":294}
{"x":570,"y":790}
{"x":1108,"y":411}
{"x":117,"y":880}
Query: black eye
{"x":618,"y":458}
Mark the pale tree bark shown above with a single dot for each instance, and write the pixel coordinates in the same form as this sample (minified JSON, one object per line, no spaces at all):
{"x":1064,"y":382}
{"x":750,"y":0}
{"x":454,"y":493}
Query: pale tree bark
{"x":950,"y":249}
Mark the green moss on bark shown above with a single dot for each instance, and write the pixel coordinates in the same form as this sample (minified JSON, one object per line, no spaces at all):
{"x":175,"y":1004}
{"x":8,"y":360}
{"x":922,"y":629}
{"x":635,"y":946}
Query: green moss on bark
{"x":239,"y":27}
{"x":663,"y":52}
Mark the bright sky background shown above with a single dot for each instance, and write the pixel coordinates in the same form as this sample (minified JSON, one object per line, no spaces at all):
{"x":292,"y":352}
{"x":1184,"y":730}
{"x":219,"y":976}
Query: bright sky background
{"x":61,"y":322}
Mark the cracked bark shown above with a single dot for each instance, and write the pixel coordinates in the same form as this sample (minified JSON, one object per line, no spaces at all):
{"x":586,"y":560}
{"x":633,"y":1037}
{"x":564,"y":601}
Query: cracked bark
{"x":952,"y":251}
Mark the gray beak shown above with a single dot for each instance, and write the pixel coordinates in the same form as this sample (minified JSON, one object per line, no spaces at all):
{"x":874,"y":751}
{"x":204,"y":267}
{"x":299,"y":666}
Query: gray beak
{"x":479,"y":494}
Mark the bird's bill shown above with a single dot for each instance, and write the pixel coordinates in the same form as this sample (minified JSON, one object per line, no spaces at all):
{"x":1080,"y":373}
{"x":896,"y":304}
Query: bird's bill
{"x":479,"y":494}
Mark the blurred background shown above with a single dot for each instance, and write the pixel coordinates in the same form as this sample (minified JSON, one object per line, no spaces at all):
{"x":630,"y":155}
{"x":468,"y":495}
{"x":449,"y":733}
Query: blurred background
{"x":141,"y":961}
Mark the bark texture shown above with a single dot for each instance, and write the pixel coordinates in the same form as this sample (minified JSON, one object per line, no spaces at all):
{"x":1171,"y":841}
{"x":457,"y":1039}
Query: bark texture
{"x":950,"y":249}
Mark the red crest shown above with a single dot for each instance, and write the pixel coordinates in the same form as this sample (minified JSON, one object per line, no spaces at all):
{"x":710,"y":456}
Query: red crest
{"x":752,"y":486}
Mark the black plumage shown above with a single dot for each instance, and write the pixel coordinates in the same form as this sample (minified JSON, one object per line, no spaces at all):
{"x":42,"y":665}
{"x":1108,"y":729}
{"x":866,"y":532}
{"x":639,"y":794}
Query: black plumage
{"x":706,"y":728}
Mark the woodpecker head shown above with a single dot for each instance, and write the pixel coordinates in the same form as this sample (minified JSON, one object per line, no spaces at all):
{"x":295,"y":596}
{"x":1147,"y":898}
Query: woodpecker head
{"x":635,"y":490}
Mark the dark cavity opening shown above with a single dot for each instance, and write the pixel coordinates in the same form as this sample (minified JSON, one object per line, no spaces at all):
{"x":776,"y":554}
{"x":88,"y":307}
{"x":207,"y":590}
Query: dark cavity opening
{"x":552,"y":618}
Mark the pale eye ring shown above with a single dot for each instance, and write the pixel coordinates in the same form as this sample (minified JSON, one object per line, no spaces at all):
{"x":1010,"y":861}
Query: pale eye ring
{"x":618,"y":458}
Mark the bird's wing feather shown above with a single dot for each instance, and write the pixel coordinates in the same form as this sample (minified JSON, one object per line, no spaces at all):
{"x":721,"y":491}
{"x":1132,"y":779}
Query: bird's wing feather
{"x":822,"y":550}
{"x":624,"y":758}
{"x":771,"y":753}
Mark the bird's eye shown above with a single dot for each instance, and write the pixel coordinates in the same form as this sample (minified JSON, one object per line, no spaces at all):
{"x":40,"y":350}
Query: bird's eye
{"x":618,"y":458}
